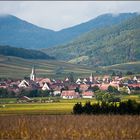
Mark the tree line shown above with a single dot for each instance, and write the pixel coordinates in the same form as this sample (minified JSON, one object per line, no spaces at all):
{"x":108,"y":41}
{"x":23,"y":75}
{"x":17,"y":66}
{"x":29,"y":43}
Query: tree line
{"x":125,"y":107}
{"x":5,"y":93}
{"x":23,"y":53}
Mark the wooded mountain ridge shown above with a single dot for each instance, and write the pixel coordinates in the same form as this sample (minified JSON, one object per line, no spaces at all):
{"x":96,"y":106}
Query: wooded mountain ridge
{"x":19,"y":33}
{"x":109,"y":45}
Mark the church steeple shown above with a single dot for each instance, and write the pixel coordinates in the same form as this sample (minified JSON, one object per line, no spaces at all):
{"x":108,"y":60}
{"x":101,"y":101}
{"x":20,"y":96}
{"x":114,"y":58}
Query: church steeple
{"x":91,"y":78}
{"x":33,"y":75}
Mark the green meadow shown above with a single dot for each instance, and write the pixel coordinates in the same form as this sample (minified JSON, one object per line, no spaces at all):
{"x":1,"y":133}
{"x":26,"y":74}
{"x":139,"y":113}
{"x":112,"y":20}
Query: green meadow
{"x":64,"y":106}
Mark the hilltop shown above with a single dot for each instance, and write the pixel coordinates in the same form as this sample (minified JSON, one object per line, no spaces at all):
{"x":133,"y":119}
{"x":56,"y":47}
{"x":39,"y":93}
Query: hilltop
{"x":19,"y":33}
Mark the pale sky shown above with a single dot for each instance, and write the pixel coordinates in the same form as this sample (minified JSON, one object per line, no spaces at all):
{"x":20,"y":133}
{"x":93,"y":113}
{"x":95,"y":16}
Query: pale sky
{"x":57,"y":15}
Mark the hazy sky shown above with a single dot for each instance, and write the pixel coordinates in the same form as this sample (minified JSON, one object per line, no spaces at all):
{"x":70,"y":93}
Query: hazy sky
{"x":61,"y":14}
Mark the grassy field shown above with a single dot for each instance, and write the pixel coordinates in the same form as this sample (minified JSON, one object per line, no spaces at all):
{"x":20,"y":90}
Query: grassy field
{"x":70,"y":127}
{"x":62,"y":107}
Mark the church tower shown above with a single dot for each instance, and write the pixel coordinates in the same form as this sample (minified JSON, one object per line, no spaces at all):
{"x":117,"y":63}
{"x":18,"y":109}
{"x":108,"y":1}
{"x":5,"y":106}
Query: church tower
{"x":33,"y":75}
{"x":91,"y":78}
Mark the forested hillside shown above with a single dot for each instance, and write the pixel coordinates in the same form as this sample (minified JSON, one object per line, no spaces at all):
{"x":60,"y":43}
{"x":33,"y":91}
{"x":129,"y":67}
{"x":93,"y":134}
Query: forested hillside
{"x":23,"y":53}
{"x":19,"y":33}
{"x":105,"y":46}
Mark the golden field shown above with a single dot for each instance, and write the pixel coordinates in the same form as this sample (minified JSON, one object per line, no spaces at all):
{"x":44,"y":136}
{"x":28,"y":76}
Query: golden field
{"x":70,"y":127}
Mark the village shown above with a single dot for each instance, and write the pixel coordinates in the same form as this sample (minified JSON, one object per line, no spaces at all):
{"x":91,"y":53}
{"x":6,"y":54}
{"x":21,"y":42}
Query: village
{"x":67,"y":89}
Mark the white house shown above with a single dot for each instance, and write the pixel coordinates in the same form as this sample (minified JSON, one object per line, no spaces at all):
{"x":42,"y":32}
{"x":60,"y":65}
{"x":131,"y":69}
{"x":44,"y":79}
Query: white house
{"x":45,"y":87}
{"x":57,"y":90}
{"x":23,"y":84}
{"x":135,"y":78}
{"x":78,"y":81}
{"x":128,"y":90}
{"x":67,"y":79}
{"x":85,"y":80}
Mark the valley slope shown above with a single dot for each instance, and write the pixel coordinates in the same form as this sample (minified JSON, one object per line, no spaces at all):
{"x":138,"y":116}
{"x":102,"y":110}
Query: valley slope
{"x":105,"y":46}
{"x":14,"y":67}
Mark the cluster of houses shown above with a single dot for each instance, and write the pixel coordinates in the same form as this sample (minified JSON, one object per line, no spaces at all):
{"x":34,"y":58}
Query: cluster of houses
{"x":69,"y":90}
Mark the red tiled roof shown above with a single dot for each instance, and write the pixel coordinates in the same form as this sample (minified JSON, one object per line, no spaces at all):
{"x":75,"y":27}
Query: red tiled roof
{"x":114,"y":84}
{"x":45,"y":80}
{"x":88,"y":93}
{"x":68,"y":93}
{"x":58,"y":88}
{"x":70,"y":87}
{"x":106,"y":76}
{"x":104,"y":86}
{"x":134,"y":85}
{"x":96,"y":85}
{"x":84,"y":87}
{"x":3,"y":86}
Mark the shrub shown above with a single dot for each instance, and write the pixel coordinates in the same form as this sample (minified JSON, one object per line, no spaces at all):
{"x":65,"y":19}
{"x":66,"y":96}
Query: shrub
{"x":78,"y":109}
